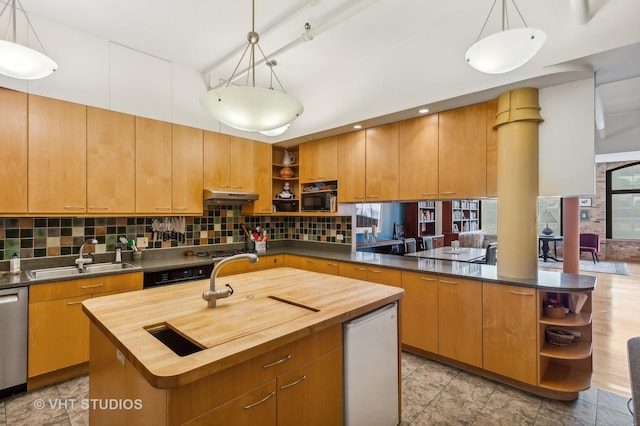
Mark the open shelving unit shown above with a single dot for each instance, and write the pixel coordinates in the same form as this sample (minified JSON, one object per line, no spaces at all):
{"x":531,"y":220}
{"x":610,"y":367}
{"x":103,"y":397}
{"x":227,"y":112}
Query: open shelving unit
{"x":459,"y":216}
{"x":289,"y":205}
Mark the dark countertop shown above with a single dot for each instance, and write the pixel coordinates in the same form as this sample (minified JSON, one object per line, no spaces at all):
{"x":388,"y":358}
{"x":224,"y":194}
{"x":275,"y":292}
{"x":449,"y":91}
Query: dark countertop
{"x":154,"y":260}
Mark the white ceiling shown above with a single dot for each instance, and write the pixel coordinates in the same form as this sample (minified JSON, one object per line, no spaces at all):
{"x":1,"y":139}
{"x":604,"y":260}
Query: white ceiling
{"x":374,"y":61}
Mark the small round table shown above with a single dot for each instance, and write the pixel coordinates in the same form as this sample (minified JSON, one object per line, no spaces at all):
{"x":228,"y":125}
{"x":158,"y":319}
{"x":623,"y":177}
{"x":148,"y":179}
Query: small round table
{"x":544,"y":241}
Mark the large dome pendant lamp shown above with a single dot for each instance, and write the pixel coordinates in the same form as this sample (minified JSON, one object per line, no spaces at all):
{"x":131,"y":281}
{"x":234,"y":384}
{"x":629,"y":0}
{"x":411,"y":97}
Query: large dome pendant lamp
{"x":251,"y":108}
{"x":17,"y":60}
{"x":506,"y":50}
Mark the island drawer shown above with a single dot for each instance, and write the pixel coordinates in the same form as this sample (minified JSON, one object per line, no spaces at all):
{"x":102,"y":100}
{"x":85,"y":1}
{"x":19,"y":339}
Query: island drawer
{"x":85,"y":286}
{"x":194,"y":399}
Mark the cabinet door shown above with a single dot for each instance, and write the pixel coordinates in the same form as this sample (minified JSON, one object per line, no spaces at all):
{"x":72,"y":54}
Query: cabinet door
{"x":153,"y":166}
{"x":186,"y":164}
{"x":460,"y":320}
{"x":302,"y":262}
{"x":216,"y":157}
{"x":312,"y":394}
{"x":262,"y":153}
{"x":328,"y":267}
{"x":351,"y":167}
{"x":241,"y":164}
{"x":382,"y":163}
{"x":418,"y":158}
{"x":420,"y":311}
{"x":111,"y":162}
{"x":384,"y":276}
{"x":58,"y":335}
{"x":57,"y":156}
{"x":462,"y":152}
{"x":492,"y":150}
{"x":308,"y":160}
{"x":353,"y":270}
{"x":13,"y":145}
{"x":327,"y":159}
{"x":509,"y":323}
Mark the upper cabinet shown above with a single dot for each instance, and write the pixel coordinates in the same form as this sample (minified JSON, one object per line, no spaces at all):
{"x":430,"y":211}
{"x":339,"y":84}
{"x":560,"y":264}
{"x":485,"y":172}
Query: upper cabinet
{"x":351,"y":167}
{"x":186,"y":173}
{"x":228,"y":162}
{"x":319,"y":160}
{"x":262,"y":156}
{"x":492,"y":149}
{"x":13,"y":144}
{"x":111,"y":162}
{"x":57,"y":156}
{"x":382,"y":163}
{"x":153,"y":166}
{"x":418,"y":158}
{"x":462,"y":152}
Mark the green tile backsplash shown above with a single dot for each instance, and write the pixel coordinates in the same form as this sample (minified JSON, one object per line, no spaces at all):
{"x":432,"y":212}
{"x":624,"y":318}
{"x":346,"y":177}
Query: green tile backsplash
{"x":33,"y":237}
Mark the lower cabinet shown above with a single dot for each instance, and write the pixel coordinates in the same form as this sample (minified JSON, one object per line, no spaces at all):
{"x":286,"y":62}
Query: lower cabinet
{"x":371,"y":273}
{"x":460,"y":320}
{"x":420,"y":311}
{"x":242,"y":266}
{"x":312,"y":264}
{"x":59,"y":329}
{"x":509,"y":331}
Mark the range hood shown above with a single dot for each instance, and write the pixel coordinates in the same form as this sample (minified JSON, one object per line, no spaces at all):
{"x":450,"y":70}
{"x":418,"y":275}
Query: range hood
{"x":228,"y":198}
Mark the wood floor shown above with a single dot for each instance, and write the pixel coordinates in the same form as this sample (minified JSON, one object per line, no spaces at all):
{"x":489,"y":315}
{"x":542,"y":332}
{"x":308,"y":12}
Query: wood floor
{"x":616,"y":318}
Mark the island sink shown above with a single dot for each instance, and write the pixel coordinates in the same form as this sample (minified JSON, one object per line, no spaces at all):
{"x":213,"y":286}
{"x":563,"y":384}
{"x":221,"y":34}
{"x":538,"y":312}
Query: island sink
{"x":174,"y":340}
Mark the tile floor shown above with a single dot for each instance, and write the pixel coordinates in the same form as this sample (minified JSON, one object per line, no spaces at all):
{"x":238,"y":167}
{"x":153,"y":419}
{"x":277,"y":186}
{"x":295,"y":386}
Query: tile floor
{"x":433,"y":394}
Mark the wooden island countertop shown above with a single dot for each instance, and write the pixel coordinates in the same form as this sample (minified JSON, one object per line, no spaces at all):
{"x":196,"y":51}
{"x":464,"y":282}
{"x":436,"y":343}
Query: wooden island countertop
{"x":268,"y":309}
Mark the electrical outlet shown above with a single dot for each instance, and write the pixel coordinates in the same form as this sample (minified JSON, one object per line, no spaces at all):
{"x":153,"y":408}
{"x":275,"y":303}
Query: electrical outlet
{"x":142,"y":242}
{"x":339,"y":237}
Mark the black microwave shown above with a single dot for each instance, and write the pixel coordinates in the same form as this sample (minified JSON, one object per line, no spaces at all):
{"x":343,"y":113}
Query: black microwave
{"x":323,"y":202}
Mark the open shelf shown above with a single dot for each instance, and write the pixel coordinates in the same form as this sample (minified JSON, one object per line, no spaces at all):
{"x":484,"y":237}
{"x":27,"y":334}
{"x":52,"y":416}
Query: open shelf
{"x":566,"y":377}
{"x":576,"y":350}
{"x":571,"y":320}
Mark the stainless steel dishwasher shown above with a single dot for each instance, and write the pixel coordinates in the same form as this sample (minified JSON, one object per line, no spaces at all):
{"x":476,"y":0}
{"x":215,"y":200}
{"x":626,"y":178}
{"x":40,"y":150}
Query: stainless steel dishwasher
{"x":14,"y":325}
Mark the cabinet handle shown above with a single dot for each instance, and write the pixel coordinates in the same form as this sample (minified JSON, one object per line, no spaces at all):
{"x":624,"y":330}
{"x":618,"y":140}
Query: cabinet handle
{"x":358,"y":268}
{"x":92,"y":286}
{"x":358,"y":196}
{"x":309,"y":261}
{"x":372,"y":196}
{"x":293,"y":383}
{"x":448,"y":192}
{"x":265,"y":210}
{"x":332,"y":264}
{"x":428,"y":279}
{"x":375,"y":271}
{"x":429,"y":193}
{"x":180,"y":208}
{"x":321,"y":177}
{"x":98,"y":208}
{"x":280,"y":361}
{"x":520,"y":293}
{"x":73,"y":303}
{"x":163,"y":208}
{"x":236,"y":187}
{"x":73,"y":207}
{"x":246,"y":407}
{"x":449,"y":282}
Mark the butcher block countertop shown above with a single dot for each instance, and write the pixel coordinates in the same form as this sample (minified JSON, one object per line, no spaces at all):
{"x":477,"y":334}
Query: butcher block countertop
{"x":268,"y":309}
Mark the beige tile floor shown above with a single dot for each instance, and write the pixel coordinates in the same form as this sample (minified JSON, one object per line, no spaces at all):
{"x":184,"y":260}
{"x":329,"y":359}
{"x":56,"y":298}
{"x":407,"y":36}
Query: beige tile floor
{"x":433,"y":394}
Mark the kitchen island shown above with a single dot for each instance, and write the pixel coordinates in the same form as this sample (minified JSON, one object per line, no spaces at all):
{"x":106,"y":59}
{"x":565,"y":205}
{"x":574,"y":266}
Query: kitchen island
{"x":281,"y":327}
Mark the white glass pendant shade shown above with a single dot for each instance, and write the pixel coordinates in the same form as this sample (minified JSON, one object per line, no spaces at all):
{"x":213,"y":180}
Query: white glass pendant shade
{"x":505,"y":51}
{"x":18,"y":61}
{"x":250,"y":108}
{"x":276,"y":132}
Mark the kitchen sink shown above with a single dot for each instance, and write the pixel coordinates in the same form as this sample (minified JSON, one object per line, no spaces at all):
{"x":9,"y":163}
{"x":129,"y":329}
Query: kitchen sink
{"x":70,"y":271}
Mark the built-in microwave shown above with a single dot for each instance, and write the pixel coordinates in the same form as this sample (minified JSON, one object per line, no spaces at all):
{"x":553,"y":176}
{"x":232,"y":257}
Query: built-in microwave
{"x":319,"y":202}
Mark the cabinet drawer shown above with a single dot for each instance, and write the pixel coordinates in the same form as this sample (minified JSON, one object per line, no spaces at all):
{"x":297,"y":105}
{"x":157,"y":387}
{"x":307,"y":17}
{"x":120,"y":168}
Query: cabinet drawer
{"x":85,"y":286}
{"x":194,"y":399}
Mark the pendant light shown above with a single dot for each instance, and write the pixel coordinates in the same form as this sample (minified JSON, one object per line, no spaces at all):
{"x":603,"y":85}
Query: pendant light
{"x":251,"y":108}
{"x":506,"y":50}
{"x":17,"y":60}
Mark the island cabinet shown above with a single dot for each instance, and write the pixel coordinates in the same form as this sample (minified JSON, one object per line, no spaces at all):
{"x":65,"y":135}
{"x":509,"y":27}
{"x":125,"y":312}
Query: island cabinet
{"x":57,"y":156}
{"x":420,"y":311}
{"x":186,"y":166}
{"x":153,"y":166}
{"x":59,"y":330}
{"x":418,"y":158}
{"x":319,"y":160}
{"x":14,"y":148}
{"x":509,"y":331}
{"x":312,"y":264}
{"x":460,"y":320}
{"x":462,"y":152}
{"x":111,"y":162}
{"x":228,"y":162}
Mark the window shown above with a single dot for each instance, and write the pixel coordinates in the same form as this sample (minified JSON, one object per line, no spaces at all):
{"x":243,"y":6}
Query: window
{"x":553,"y":205}
{"x":489,"y":217}
{"x":623,"y":202}
{"x":368,"y":214}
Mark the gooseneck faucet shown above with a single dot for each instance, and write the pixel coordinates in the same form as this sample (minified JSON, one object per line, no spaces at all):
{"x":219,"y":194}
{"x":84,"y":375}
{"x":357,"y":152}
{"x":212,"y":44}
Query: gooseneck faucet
{"x":212,"y":295}
{"x":80,"y":261}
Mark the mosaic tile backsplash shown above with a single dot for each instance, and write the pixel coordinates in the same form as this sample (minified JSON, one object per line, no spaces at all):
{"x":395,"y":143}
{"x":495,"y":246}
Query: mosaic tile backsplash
{"x":34,"y":237}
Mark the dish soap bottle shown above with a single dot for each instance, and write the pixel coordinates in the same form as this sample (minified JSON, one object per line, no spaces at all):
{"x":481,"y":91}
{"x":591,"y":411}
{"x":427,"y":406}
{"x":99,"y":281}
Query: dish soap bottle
{"x":14,"y":264}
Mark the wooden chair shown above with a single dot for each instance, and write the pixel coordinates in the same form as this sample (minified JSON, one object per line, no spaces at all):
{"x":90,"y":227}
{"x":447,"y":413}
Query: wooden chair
{"x":590,"y":243}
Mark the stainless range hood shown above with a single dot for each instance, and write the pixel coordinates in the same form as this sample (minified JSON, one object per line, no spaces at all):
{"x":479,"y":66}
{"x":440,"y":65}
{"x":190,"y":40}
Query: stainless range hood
{"x":228,"y":198}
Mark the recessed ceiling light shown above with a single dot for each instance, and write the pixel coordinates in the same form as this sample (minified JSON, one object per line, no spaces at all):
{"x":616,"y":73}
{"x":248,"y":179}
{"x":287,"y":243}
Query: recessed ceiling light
{"x":357,"y":126}
{"x":423,"y":110}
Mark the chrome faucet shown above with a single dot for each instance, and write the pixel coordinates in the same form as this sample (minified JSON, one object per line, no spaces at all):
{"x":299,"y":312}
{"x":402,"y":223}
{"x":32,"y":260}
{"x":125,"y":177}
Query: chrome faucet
{"x":212,"y":295}
{"x":80,"y":261}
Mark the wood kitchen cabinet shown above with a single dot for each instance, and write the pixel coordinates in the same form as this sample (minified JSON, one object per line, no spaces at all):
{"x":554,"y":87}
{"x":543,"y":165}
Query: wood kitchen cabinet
{"x":492,"y":149}
{"x":59,"y":330}
{"x":153,"y":166}
{"x":14,"y":148}
{"x":186,"y":166}
{"x":228,"y":162}
{"x":312,"y":264}
{"x":382,"y":163}
{"x":351,"y":167}
{"x":57,"y":156}
{"x":371,"y":273}
{"x":420,"y":311}
{"x":262,"y":157}
{"x":462,"y":152}
{"x":111,"y":162}
{"x":509,"y":331}
{"x":418,"y":158}
{"x":460,"y":320}
{"x":319,"y":160}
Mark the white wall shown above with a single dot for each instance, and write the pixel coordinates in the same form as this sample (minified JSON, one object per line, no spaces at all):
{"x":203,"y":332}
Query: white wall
{"x":567,"y":140}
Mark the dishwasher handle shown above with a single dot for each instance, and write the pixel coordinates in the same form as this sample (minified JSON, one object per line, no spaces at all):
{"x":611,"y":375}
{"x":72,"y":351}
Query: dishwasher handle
{"x":9,"y":298}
